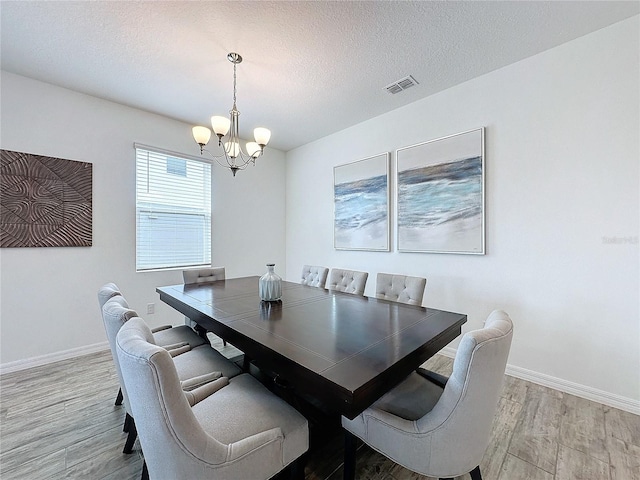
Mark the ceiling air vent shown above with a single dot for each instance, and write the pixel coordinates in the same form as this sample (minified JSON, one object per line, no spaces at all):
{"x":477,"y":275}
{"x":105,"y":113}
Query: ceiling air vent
{"x":402,"y":84}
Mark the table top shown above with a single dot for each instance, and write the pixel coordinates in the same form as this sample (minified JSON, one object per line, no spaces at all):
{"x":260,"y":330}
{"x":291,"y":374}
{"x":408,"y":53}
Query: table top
{"x":344,"y":350}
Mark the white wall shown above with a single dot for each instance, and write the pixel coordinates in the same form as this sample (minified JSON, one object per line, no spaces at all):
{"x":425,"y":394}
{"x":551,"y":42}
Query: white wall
{"x":48,"y":300}
{"x":562,"y":173}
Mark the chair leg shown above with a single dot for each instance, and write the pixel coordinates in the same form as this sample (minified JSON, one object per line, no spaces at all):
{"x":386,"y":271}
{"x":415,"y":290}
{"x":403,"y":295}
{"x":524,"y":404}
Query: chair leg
{"x":131,"y":438}
{"x":127,"y":422}
{"x":349,"y":456}
{"x":296,"y":468}
{"x":475,"y":473}
{"x":145,"y":471}
{"x":119,"y":397}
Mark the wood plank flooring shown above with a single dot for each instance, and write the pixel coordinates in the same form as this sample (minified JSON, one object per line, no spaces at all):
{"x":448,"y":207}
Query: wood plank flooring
{"x":59,"y":421}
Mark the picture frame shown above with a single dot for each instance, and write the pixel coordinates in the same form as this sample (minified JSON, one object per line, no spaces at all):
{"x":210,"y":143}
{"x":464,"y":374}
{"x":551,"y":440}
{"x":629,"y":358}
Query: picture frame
{"x":440,"y":195}
{"x":361,"y":204}
{"x":45,"y":201}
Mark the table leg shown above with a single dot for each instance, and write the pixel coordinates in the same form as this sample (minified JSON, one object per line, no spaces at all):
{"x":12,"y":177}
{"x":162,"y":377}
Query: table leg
{"x":349,"y":472}
{"x":246,"y":363}
{"x":201,"y":331}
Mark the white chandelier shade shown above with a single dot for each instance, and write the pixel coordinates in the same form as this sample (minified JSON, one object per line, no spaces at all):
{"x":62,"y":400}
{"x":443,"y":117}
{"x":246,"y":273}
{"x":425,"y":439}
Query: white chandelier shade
{"x":201,"y":135}
{"x":220,"y":125}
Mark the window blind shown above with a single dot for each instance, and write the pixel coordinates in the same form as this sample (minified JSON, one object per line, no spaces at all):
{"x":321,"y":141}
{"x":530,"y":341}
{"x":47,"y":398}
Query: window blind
{"x":173,"y":211}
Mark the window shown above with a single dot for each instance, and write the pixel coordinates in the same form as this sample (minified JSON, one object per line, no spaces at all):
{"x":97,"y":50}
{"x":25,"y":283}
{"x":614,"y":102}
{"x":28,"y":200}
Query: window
{"x":173,"y":210}
{"x":177,"y":166}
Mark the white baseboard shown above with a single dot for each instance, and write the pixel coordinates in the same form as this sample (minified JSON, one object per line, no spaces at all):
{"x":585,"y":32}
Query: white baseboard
{"x":583,"y":391}
{"x":18,"y":365}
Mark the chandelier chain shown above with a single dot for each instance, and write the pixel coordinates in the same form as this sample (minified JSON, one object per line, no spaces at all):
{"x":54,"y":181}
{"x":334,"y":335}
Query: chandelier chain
{"x":234,"y":84}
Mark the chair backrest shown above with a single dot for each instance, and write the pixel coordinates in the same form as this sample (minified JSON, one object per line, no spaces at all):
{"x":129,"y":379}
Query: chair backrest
{"x":203,"y":275}
{"x":314,"y":276}
{"x":115,"y":313}
{"x":172,"y":439}
{"x":107,"y":291}
{"x":400,"y":288}
{"x":348,"y":281}
{"x":465,"y":410}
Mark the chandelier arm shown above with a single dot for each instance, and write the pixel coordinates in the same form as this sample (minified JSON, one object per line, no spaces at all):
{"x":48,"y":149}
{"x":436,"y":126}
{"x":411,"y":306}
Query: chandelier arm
{"x":245,"y":159}
{"x":232,"y":165}
{"x":215,"y":157}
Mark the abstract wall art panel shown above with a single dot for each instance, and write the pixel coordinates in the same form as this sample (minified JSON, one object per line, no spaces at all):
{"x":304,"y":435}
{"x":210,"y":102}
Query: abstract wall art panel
{"x":44,"y":201}
{"x":440,"y":195}
{"x":361,"y":204}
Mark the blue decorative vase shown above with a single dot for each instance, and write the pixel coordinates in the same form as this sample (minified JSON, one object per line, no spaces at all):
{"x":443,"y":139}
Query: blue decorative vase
{"x":270,"y":285}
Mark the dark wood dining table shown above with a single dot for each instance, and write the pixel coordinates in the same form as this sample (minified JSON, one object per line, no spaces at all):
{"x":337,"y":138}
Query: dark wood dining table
{"x":344,"y":350}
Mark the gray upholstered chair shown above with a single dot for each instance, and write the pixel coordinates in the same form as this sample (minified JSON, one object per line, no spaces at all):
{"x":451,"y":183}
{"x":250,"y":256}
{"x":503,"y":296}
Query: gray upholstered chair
{"x":400,"y":288}
{"x":184,"y":435}
{"x":165,"y":335}
{"x":202,"y":275}
{"x":189,"y":362}
{"x":348,"y":281}
{"x":314,"y":276}
{"x":435,"y":428}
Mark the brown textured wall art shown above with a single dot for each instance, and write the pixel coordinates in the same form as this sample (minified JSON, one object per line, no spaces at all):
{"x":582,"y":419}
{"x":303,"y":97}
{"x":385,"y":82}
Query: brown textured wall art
{"x":44,"y":201}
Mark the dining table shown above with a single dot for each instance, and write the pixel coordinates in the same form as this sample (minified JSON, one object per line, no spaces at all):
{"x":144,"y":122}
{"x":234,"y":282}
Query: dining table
{"x":343,"y":350}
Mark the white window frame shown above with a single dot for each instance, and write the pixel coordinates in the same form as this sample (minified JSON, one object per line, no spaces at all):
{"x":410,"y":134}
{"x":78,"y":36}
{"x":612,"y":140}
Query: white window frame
{"x":173,"y":211}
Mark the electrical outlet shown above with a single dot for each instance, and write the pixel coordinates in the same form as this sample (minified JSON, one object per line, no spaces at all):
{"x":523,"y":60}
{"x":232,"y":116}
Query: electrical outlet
{"x":151,"y":308}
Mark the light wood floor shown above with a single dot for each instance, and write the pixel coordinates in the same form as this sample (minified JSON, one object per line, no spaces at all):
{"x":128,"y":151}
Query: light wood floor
{"x":59,"y":421}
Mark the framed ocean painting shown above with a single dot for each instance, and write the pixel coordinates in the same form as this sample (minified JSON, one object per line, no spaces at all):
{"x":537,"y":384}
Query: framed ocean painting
{"x":361,"y":204}
{"x":440,"y":195}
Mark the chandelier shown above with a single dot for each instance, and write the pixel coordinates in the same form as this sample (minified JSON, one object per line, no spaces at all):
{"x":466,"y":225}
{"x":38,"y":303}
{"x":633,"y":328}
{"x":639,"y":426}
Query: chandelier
{"x":232,"y":156}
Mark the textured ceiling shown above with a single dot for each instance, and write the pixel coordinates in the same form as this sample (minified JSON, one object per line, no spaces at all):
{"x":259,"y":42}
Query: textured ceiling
{"x":310,"y":68}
